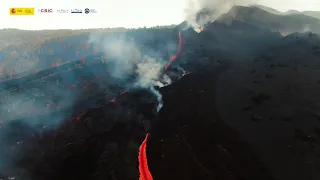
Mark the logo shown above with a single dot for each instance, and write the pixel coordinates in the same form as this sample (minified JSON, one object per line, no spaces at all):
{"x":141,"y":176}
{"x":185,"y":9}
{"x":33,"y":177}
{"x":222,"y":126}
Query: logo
{"x":45,"y":10}
{"x":62,"y":10}
{"x":87,"y":11}
{"x":79,"y":11}
{"x":21,"y":11}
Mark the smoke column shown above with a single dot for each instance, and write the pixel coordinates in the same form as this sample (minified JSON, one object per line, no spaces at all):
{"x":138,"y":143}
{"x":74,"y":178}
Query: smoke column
{"x":159,"y":97}
{"x":128,"y":60}
{"x":201,"y":12}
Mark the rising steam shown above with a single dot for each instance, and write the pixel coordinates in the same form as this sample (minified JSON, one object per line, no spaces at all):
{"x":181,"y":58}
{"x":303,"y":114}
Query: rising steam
{"x":129,"y":61}
{"x":149,"y":71}
{"x":201,"y":12}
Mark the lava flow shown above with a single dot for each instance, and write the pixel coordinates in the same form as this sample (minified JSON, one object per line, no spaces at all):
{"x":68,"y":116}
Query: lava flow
{"x":124,"y":92}
{"x":174,"y":57}
{"x":186,"y":73}
{"x":143,"y":162}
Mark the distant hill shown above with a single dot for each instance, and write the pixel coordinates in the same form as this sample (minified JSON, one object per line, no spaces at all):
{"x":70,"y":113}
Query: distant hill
{"x":239,"y":36}
{"x":285,"y":24}
{"x":268,"y":9}
{"x":291,"y":12}
{"x":271,"y":19}
{"x":315,"y":14}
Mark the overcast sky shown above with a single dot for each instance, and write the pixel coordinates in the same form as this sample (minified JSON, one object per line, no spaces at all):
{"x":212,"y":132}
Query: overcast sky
{"x":117,"y":13}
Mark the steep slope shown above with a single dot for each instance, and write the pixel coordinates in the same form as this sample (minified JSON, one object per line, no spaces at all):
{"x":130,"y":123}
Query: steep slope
{"x":273,"y":101}
{"x":269,"y":94}
{"x":315,"y":14}
{"x":268,"y":9}
{"x":301,"y":46}
{"x":229,"y":35}
{"x":240,"y":37}
{"x":286,"y":24}
{"x":102,"y":143}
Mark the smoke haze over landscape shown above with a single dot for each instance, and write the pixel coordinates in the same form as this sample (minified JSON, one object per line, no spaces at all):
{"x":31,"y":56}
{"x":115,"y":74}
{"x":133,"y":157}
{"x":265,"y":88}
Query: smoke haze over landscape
{"x":125,"y":13}
{"x":237,"y":99}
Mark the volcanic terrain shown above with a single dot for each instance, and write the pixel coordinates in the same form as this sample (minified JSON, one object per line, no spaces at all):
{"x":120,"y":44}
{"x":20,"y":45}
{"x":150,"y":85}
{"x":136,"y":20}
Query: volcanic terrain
{"x":243,"y":104}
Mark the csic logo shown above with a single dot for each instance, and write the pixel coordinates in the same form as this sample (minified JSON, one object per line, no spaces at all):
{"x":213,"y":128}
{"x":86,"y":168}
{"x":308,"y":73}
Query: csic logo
{"x":45,"y":10}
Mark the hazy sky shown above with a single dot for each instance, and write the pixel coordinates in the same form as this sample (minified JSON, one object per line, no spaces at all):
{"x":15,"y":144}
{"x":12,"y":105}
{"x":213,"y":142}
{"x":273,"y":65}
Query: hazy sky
{"x":116,"y":13}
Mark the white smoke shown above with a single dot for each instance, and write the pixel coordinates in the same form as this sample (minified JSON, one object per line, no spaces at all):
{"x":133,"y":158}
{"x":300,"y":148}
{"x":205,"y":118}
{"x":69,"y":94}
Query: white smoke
{"x":166,"y":79}
{"x":128,"y":60}
{"x":159,"y":98}
{"x":201,"y":12}
{"x":121,"y":51}
{"x":181,"y":69}
{"x":149,"y":71}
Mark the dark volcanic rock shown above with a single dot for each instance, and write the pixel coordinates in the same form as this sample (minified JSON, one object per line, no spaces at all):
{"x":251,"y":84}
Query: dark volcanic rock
{"x":188,"y":140}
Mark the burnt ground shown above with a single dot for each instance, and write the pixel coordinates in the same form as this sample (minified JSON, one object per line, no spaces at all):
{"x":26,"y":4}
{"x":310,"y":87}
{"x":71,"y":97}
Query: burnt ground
{"x":196,"y":144}
{"x":274,"y":104}
{"x":255,"y":119}
{"x":187,"y":140}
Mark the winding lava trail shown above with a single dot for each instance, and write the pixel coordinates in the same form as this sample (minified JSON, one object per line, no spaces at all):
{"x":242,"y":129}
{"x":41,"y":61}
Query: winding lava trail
{"x":143,"y":162}
{"x":142,"y":158}
{"x":174,"y":57}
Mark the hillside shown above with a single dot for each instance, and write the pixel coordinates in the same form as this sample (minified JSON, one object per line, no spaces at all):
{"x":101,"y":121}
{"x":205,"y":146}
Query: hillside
{"x":268,"y":9}
{"x":285,"y":24}
{"x":315,"y":14}
{"x":240,"y":101}
{"x":30,"y":51}
{"x":27,"y":51}
{"x":275,"y":96}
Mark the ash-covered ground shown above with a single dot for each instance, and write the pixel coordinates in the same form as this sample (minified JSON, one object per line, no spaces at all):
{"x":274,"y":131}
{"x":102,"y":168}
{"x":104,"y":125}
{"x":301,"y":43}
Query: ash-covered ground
{"x":187,"y":141}
{"x":248,"y":109}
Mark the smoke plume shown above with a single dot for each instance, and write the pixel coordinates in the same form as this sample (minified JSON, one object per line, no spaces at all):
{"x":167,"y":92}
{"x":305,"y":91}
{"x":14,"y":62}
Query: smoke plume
{"x":159,"y":97}
{"x":149,"y":71}
{"x":128,"y":61}
{"x":201,"y":12}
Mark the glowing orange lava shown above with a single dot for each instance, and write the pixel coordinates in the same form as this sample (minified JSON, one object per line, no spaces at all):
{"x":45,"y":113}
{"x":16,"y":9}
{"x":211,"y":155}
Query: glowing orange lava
{"x":143,"y":162}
